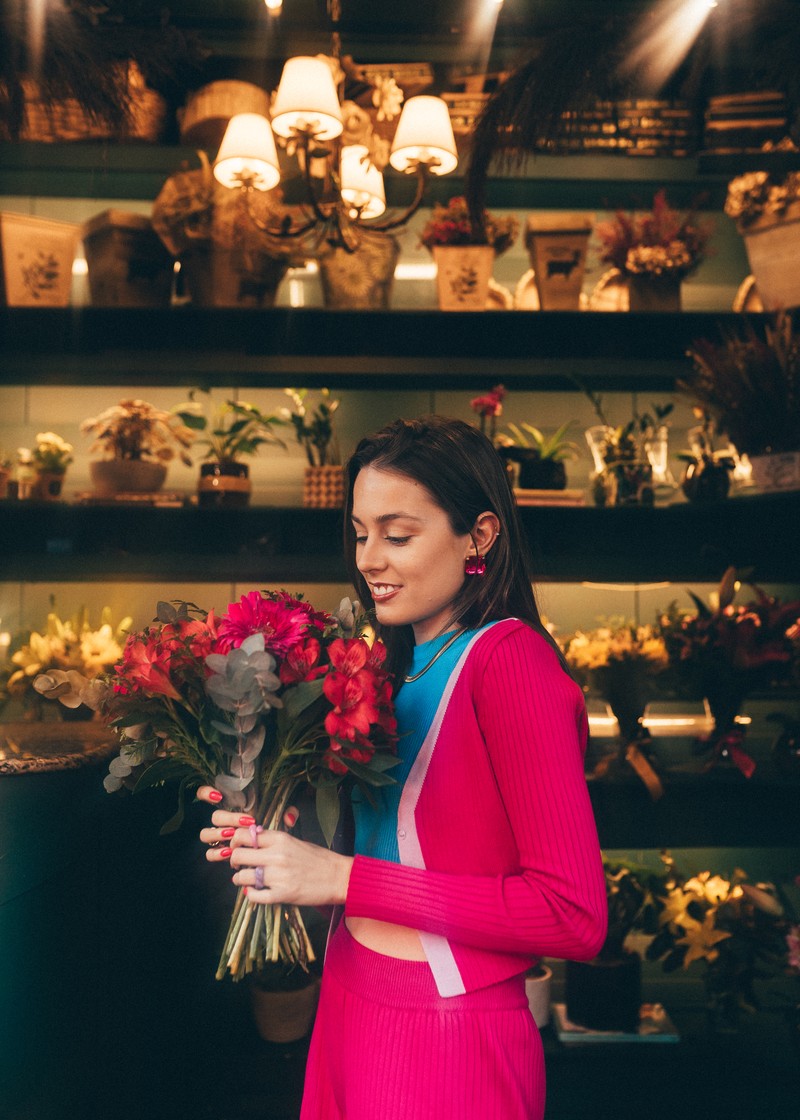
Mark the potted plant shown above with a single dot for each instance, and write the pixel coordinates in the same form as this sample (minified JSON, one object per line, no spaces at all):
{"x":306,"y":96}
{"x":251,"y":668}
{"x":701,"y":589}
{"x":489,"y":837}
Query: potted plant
{"x":323,"y":485}
{"x":236,"y":429}
{"x":50,"y":458}
{"x":750,"y":384}
{"x":540,"y":458}
{"x":137,"y":441}
{"x":766,"y":209}
{"x":654,"y":252}
{"x":464,"y":252}
{"x":708,"y":471}
{"x":627,"y":457}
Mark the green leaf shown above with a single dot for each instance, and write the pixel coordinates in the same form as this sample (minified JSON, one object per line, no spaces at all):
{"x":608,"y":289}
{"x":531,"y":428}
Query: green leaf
{"x":165,"y":770}
{"x":328,"y":810}
{"x":299,"y":697}
{"x":382,"y":762}
{"x":367,"y":775}
{"x":175,"y":822}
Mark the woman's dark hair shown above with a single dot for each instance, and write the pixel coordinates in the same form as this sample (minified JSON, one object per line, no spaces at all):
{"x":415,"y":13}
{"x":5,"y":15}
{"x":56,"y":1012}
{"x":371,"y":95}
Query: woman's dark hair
{"x":465,"y":476}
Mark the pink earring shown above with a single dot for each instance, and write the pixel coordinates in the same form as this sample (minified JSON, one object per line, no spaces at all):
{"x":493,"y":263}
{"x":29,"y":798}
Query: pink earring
{"x":475,"y":565}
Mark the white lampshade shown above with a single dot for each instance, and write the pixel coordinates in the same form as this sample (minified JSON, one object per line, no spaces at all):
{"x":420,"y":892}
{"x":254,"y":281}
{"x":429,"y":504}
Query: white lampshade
{"x":361,"y":182}
{"x":424,"y":135}
{"x":247,"y":154}
{"x":306,"y":100}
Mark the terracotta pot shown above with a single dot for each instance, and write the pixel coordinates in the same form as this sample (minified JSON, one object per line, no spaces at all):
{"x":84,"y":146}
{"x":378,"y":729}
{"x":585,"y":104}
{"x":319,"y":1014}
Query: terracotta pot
{"x":462,"y":276}
{"x":122,"y":476}
{"x":284,"y":1016}
{"x":224,"y":484}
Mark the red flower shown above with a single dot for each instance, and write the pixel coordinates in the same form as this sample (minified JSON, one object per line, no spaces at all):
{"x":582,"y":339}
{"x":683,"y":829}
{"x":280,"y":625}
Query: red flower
{"x":145,"y":666}
{"x":280,"y":620}
{"x":354,"y":707}
{"x":302,"y":663}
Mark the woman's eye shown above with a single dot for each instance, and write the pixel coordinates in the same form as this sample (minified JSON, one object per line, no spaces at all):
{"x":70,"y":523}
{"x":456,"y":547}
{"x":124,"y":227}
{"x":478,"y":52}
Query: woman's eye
{"x":361,"y":540}
{"x":398,"y":540}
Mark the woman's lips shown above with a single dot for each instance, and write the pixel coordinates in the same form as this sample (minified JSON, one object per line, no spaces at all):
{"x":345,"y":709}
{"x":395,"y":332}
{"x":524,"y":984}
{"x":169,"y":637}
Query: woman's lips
{"x":382,"y":592}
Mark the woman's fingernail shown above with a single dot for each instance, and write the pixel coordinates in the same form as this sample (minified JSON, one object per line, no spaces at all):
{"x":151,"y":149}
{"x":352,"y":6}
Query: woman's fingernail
{"x":226,"y":833}
{"x":291,"y":819}
{"x":245,"y":889}
{"x":226,"y":853}
{"x":246,"y":821}
{"x":215,"y":796}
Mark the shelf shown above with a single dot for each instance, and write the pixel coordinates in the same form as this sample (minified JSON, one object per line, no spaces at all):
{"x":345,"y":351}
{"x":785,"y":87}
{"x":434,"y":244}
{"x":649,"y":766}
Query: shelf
{"x":349,"y":349}
{"x":56,"y":541}
{"x":583,"y":180}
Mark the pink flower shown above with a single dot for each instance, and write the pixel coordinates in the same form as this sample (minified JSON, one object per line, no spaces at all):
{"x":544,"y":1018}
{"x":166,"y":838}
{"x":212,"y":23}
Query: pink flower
{"x":281,"y":621}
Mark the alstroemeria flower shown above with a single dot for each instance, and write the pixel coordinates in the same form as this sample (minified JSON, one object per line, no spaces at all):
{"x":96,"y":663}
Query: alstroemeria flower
{"x":302,"y":663}
{"x":145,"y":667}
{"x":354,"y":707}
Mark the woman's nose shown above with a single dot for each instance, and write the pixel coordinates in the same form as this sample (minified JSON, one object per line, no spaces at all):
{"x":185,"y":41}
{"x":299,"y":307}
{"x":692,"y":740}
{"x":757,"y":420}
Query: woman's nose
{"x":369,"y":556}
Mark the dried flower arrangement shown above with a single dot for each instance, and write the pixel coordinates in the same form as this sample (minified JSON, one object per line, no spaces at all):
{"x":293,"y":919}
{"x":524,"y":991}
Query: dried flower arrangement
{"x":659,"y":244}
{"x":452,"y":225}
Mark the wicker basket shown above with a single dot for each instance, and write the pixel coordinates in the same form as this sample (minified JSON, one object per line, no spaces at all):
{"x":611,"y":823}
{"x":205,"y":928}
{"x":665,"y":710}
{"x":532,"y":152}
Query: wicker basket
{"x":51,"y":121}
{"x":205,"y":116}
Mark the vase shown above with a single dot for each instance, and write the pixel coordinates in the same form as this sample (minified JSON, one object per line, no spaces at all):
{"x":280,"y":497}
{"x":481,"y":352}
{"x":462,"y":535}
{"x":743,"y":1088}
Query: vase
{"x":657,"y":451}
{"x":780,"y":471}
{"x":556,"y":245}
{"x":538,"y":986}
{"x":653,"y":293}
{"x":323,"y":487}
{"x":224,"y":485}
{"x":462,"y":276}
{"x":773,"y":250}
{"x":283,"y":1017}
{"x":706,"y":481}
{"x":597,"y":437}
{"x":605,"y":994}
{"x":363,"y":279}
{"x":725,"y":688}
{"x":533,"y":472}
{"x":47,"y":486}
{"x":624,"y":482}
{"x":111,"y":477}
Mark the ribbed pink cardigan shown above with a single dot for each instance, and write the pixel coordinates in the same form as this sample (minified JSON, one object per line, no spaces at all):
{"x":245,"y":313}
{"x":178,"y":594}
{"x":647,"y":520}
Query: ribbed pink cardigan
{"x":500,"y":861}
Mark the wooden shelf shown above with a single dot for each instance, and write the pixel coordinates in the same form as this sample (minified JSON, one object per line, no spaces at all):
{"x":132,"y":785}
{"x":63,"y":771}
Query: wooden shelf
{"x":55,"y":540}
{"x":349,"y":349}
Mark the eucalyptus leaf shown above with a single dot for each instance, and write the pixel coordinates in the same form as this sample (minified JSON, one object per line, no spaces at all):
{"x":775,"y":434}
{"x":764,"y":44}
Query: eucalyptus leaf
{"x":327,"y":804}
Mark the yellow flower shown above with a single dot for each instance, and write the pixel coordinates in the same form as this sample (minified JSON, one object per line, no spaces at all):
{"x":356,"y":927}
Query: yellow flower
{"x":675,"y":909}
{"x":701,"y":939}
{"x":710,"y":888}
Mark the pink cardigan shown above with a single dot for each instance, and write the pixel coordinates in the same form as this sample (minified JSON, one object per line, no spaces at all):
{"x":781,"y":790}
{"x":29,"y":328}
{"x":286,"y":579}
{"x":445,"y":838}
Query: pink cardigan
{"x":500,"y":861}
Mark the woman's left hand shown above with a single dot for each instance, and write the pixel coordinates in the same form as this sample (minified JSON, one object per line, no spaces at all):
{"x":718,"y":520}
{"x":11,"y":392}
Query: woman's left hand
{"x":294,"y":871}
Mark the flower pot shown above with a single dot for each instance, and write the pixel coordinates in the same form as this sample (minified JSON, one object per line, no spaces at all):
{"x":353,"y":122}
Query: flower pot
{"x":777,"y":472}
{"x":284,"y":1016}
{"x":654,"y":293}
{"x":224,"y":485}
{"x":534,"y":472}
{"x":557,"y":244}
{"x":323,"y":487}
{"x":362,"y":279}
{"x":37,"y":261}
{"x":605,"y":995}
{"x":47,"y":486}
{"x":128,"y":263}
{"x":538,"y":986}
{"x":773,"y":250}
{"x":239,"y":277}
{"x":462,"y":276}
{"x":111,"y":477}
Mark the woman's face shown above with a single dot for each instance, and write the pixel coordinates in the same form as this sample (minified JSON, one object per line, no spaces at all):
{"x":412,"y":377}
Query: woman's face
{"x":407,"y":552}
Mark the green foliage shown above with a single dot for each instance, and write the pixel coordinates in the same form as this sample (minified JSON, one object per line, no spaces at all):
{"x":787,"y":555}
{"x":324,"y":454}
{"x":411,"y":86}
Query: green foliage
{"x":555,"y":446}
{"x":237,"y":428}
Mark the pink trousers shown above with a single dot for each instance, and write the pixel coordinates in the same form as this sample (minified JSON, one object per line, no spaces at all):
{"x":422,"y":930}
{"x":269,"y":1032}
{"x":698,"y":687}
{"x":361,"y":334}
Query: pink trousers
{"x":387,"y":1046}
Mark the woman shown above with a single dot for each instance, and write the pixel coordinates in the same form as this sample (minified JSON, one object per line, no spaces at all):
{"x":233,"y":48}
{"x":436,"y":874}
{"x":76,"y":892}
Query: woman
{"x":483,"y":856}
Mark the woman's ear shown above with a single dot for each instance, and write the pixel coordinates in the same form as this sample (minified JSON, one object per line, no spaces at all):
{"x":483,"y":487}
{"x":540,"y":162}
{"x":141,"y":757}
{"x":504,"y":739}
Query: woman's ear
{"x":485,"y":531}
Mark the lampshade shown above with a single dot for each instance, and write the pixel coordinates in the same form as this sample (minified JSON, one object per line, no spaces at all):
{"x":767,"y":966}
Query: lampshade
{"x":361,"y":182}
{"x":247,"y":154}
{"x":424,"y":135}
{"x":306,"y":100}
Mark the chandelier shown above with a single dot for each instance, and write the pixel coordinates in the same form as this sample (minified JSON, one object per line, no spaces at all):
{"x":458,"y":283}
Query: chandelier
{"x":308,"y":119}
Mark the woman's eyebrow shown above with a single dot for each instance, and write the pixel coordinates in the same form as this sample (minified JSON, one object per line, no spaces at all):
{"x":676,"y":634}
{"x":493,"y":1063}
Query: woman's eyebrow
{"x":384,"y":517}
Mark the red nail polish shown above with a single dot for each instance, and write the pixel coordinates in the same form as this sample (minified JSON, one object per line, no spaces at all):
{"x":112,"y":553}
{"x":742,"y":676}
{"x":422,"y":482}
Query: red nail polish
{"x":226,"y":833}
{"x":226,"y":853}
{"x":245,"y":889}
{"x":291,"y":819}
{"x":247,"y":821}
{"x":215,"y":796}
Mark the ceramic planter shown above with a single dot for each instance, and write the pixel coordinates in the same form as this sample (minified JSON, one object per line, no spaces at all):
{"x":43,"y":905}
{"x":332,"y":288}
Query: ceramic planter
{"x":111,"y":477}
{"x":129,"y":265}
{"x":462,"y":276}
{"x":224,"y":485}
{"x":557,"y":244}
{"x":538,"y":988}
{"x":773,"y":249}
{"x":37,"y":260}
{"x":323,"y":487}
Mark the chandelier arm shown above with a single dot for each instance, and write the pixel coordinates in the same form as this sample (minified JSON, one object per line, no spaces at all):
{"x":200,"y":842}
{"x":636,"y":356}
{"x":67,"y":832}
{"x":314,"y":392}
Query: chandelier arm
{"x":423,"y":173}
{"x":278,"y":231}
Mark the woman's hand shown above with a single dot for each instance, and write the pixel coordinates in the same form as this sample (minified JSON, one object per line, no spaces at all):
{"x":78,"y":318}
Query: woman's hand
{"x":293,"y":870}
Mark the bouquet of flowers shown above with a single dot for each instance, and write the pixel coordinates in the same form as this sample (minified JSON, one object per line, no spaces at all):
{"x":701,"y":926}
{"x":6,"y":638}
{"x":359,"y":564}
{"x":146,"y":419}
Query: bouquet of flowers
{"x":724,"y":651}
{"x":738,"y":929}
{"x":65,"y":645}
{"x":661,"y":243}
{"x":270,"y":696}
{"x":451,"y":225}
